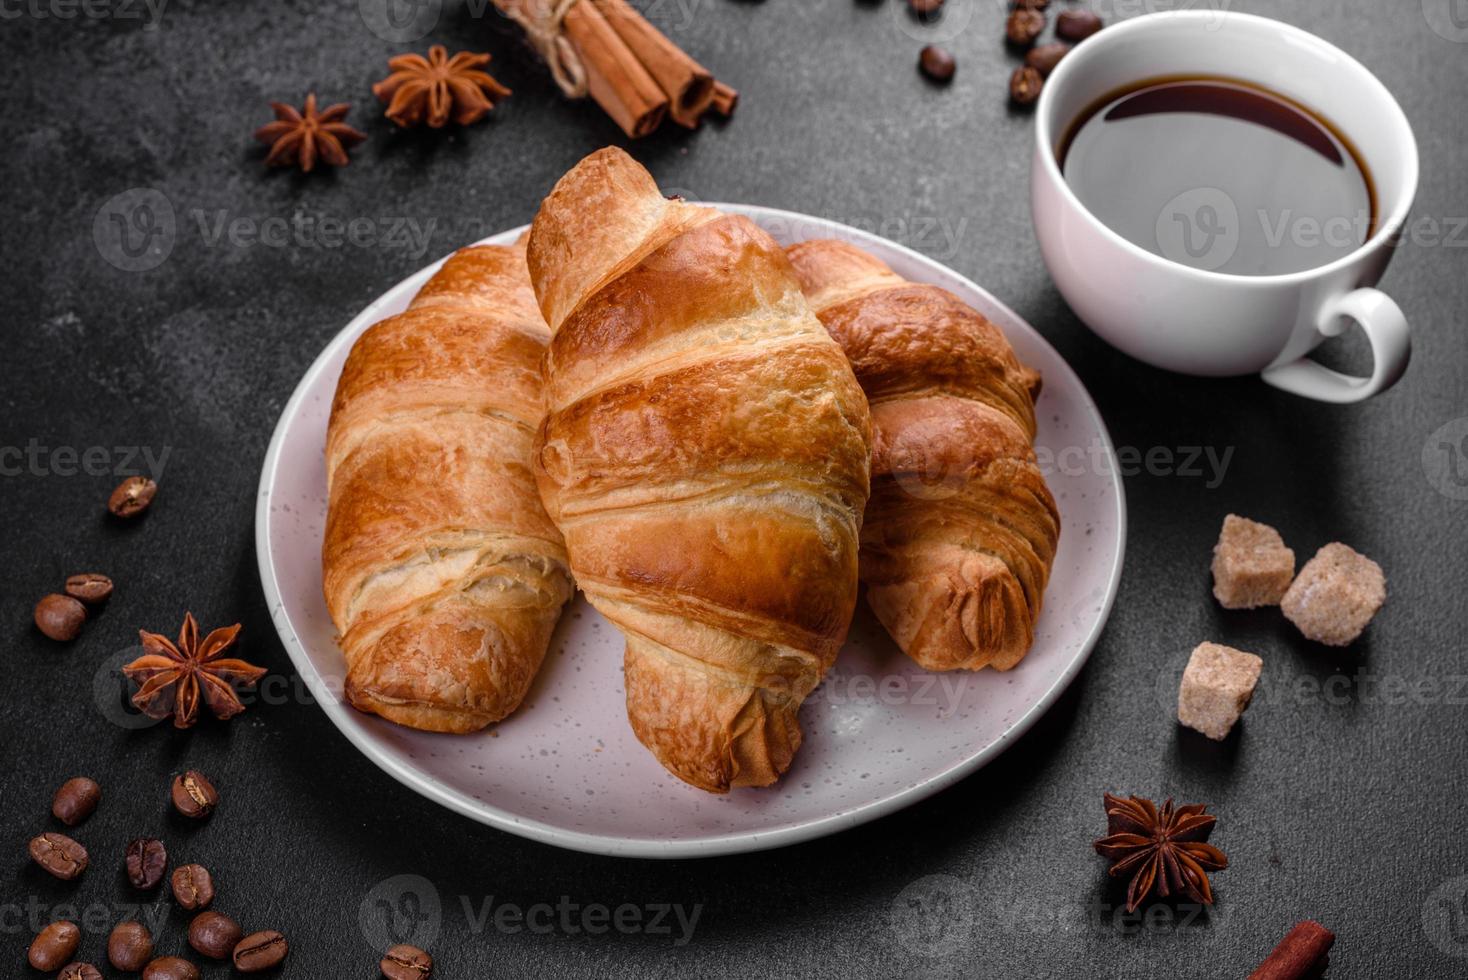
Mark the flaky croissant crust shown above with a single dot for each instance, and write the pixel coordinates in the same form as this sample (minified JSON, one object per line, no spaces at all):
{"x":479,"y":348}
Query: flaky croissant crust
{"x":441,"y":570}
{"x":705,"y":454}
{"x":961,"y":530}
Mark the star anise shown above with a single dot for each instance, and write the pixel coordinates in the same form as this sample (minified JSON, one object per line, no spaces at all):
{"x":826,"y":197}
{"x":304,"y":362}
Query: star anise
{"x":172,"y":678}
{"x":1162,"y":851}
{"x":303,"y":137}
{"x":438,"y":87}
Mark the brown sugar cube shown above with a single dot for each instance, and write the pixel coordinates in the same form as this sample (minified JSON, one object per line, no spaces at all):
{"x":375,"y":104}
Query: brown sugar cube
{"x":1216,"y":688}
{"x":1251,"y":565}
{"x":1335,"y":595}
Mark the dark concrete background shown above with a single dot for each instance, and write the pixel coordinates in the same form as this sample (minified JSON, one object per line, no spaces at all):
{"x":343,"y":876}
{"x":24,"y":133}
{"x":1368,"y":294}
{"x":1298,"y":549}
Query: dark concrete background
{"x":1341,"y":797}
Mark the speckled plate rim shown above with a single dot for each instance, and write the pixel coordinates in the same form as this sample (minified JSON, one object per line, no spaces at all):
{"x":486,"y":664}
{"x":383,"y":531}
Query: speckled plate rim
{"x":343,"y":716}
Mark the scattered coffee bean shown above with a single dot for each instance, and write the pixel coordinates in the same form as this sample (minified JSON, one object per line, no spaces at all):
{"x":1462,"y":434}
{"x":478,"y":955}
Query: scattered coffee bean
{"x":1044,"y":57}
{"x":193,"y":887}
{"x":59,"y":854}
{"x":260,"y":951}
{"x":130,"y":946}
{"x":60,"y":617}
{"x":54,"y":946}
{"x":193,"y":794}
{"x":925,"y":8}
{"x":937,"y":63}
{"x":215,"y":934}
{"x":1077,"y":25}
{"x":404,"y":962}
{"x":1023,"y":26}
{"x":89,"y":587}
{"x":132,"y":496}
{"x":170,"y":968}
{"x":1025,"y":85}
{"x":79,"y":971}
{"x":146,"y":861}
{"x":75,"y":800}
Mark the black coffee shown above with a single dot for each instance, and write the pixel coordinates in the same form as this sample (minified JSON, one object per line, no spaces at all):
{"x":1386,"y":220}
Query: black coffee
{"x":1220,"y":175}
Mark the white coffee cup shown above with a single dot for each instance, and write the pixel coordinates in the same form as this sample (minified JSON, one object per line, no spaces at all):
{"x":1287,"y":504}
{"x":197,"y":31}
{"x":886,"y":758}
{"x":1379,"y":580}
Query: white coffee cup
{"x":1185,"y":319}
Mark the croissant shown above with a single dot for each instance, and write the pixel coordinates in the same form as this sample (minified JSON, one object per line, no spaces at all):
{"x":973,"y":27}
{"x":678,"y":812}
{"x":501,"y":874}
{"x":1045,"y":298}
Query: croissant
{"x":705,"y":454}
{"x":961,"y":530}
{"x":442,"y":572}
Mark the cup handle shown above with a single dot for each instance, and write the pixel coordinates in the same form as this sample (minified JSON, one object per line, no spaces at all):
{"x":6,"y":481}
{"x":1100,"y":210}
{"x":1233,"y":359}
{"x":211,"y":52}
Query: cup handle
{"x":1391,"y":347}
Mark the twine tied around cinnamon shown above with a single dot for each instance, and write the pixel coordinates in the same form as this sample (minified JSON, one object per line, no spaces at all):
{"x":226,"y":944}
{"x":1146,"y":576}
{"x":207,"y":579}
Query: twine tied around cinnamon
{"x":542,"y":21}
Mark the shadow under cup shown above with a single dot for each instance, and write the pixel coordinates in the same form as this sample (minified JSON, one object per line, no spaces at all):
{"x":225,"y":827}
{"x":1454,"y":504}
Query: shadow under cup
{"x":1209,"y":323}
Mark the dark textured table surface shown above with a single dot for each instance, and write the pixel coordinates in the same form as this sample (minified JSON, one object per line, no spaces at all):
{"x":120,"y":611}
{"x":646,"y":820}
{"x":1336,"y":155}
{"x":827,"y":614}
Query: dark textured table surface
{"x":1340,"y":798}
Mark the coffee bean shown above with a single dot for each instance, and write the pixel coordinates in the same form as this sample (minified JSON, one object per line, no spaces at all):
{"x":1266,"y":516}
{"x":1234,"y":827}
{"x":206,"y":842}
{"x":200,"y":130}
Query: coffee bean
{"x":1077,"y":25}
{"x":260,"y":951}
{"x":1023,"y":26}
{"x":937,"y":63}
{"x":75,"y":800}
{"x":1025,"y":85}
{"x":130,"y":946}
{"x":170,"y":968}
{"x":214,"y":934}
{"x":79,"y":971}
{"x":193,"y":887}
{"x":193,"y":794}
{"x":60,"y":617}
{"x":925,"y":8}
{"x":1043,"y":58}
{"x":59,"y":854}
{"x":146,"y":861}
{"x":89,"y":587}
{"x":132,"y":496}
{"x":1033,"y":4}
{"x":54,"y":946}
{"x":404,"y":962}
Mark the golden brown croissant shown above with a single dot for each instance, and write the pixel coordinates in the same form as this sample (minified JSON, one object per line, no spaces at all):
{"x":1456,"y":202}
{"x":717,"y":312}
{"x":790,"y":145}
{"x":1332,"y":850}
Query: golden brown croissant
{"x":961,"y":530}
{"x":442,"y":572}
{"x":705,"y":455}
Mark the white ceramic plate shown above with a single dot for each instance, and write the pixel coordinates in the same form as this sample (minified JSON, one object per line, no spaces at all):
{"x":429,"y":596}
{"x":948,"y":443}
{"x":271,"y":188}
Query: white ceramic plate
{"x":566,"y":769}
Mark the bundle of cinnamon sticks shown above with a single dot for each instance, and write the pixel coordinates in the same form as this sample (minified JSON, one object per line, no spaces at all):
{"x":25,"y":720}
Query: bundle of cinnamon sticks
{"x":606,"y":49}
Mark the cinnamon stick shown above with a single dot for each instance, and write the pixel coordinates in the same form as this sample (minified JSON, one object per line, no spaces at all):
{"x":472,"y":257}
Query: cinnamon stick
{"x":615,"y":77}
{"x":1300,"y":954}
{"x":725,"y":99}
{"x":687,"y":84}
